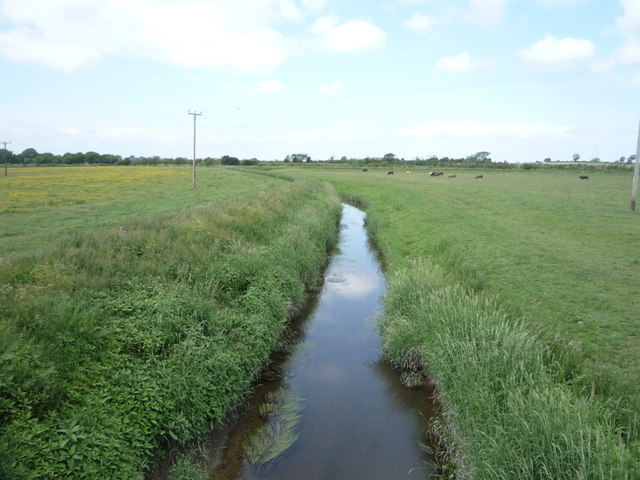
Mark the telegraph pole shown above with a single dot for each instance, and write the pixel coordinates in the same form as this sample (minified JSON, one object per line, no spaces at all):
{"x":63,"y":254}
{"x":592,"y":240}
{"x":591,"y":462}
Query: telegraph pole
{"x":195,"y":114}
{"x":634,"y":188}
{"x":5,"y":143}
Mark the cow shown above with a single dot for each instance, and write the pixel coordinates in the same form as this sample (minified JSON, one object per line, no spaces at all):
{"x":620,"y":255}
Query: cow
{"x":479,"y":176}
{"x":583,"y":177}
{"x":407,"y":173}
{"x":365,"y":169}
{"x":453,"y":175}
{"x":436,"y":174}
{"x":390,"y":172}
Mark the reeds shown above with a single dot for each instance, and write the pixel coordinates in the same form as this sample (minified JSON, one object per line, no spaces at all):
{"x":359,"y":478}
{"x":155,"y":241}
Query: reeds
{"x":505,"y":412}
{"x":283,"y":411}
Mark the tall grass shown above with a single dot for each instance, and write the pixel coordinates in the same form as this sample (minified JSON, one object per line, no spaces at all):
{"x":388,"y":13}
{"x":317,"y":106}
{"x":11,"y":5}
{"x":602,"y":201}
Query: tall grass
{"x":117,"y":344}
{"x":506,"y":412}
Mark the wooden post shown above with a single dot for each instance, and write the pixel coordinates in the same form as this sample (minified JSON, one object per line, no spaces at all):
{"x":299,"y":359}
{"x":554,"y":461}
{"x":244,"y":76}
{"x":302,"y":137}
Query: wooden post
{"x":634,"y":188}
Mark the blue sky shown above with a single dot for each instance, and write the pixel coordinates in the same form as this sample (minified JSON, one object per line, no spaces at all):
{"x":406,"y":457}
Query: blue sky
{"x":522,"y":79}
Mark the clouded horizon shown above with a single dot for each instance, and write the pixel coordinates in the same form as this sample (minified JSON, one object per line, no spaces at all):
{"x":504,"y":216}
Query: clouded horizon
{"x":524,"y":80}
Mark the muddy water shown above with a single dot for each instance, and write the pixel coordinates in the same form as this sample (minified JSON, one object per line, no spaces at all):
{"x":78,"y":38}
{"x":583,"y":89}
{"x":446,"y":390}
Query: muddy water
{"x":348,"y":412}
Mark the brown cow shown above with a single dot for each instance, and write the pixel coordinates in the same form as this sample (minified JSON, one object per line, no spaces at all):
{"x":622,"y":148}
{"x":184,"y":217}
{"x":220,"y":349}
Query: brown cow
{"x":365,"y":169}
{"x":390,"y":172}
{"x":479,"y":176}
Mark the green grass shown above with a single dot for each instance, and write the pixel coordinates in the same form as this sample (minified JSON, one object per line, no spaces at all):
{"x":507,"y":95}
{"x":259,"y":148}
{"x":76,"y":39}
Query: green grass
{"x":559,"y":255}
{"x":116,"y":344}
{"x":38,"y":204}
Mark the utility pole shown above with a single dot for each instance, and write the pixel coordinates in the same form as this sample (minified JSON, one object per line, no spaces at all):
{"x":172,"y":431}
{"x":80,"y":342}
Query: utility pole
{"x":634,"y":188}
{"x":5,"y":143}
{"x":195,"y":114}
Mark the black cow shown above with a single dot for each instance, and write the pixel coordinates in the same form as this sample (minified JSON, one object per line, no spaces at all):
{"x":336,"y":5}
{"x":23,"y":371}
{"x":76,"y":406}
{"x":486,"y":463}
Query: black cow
{"x":479,"y":176}
{"x":365,"y":169}
{"x":390,"y":172}
{"x":583,"y":177}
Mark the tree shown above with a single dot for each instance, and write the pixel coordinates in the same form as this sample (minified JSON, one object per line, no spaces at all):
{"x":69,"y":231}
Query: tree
{"x":621,"y":160}
{"x":547,"y":160}
{"x":631,"y":158}
{"x":389,"y":157}
{"x":576,"y":157}
{"x":595,"y":160}
{"x":480,"y":157}
{"x":227,"y":160}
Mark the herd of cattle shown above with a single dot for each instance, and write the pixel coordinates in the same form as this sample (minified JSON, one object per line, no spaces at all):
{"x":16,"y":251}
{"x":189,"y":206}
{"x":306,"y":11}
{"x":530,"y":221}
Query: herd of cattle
{"x":453,"y":175}
{"x":431,"y":174}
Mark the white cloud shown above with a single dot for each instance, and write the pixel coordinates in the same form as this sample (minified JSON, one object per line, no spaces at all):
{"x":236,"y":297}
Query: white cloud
{"x":552,"y":49}
{"x":352,"y":36}
{"x":419,"y":22}
{"x":314,"y":5}
{"x":470,"y":129}
{"x":629,"y":26}
{"x":265,"y":86}
{"x":331,"y":89}
{"x":486,"y":13}
{"x":73,"y":34}
{"x":462,"y":63}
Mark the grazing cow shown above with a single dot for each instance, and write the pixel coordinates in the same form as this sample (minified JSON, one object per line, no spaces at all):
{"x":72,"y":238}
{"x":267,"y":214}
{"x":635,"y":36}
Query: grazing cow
{"x":390,"y":172}
{"x":583,"y":177}
{"x":436,"y":174}
{"x":407,"y":173}
{"x":453,"y":175}
{"x":365,"y":169}
{"x":479,"y":176}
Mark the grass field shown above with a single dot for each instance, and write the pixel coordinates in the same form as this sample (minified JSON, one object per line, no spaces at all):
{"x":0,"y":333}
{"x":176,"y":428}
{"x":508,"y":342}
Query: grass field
{"x":559,"y":254}
{"x":141,"y":330}
{"x":516,"y":292}
{"x":40,"y":204}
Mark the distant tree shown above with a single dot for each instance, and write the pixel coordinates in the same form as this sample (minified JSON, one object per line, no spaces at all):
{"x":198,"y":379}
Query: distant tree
{"x":250,"y":161}
{"x":299,"y":157}
{"x":28,"y":156}
{"x":389,"y":157}
{"x":576,"y":157}
{"x":621,"y":159}
{"x":480,"y":157}
{"x":547,"y":160}
{"x":631,"y":158}
{"x":343,"y":158}
{"x":227,"y":160}
{"x":595,"y":160}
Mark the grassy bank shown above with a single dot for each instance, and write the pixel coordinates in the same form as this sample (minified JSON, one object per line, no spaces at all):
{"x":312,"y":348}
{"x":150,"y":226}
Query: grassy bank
{"x":515,"y":293}
{"x":118,"y":343}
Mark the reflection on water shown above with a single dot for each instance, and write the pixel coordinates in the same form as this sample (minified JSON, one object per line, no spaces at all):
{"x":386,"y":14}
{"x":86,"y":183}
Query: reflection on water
{"x":355,"y":420}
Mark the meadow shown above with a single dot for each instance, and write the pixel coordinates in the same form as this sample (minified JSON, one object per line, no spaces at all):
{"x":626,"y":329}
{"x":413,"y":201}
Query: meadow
{"x":142,"y":330}
{"x":516,"y":295}
{"x":126,"y":291}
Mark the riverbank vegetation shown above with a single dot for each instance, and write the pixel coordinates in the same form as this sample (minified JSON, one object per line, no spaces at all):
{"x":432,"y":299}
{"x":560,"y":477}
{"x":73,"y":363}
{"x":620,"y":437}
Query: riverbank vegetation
{"x":143,"y":329}
{"x":515,"y":295}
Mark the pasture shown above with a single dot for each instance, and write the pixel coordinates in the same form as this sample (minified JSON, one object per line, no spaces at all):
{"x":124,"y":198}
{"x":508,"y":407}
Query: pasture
{"x":544,"y":263}
{"x":145,"y":313}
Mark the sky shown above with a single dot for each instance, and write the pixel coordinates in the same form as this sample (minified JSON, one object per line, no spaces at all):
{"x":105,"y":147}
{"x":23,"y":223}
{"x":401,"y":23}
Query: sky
{"x":522,"y":79}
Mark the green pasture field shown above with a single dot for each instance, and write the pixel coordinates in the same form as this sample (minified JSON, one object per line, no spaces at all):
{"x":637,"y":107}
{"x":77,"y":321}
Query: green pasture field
{"x":559,"y":254}
{"x":137,"y":312}
{"x":38,"y":204}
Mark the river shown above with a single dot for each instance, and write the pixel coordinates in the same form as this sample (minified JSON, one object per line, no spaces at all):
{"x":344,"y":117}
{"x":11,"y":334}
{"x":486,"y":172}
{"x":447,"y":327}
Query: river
{"x":338,"y":411}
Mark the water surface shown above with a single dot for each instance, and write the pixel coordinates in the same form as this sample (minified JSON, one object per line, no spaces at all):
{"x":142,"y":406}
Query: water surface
{"x":356,"y":420}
